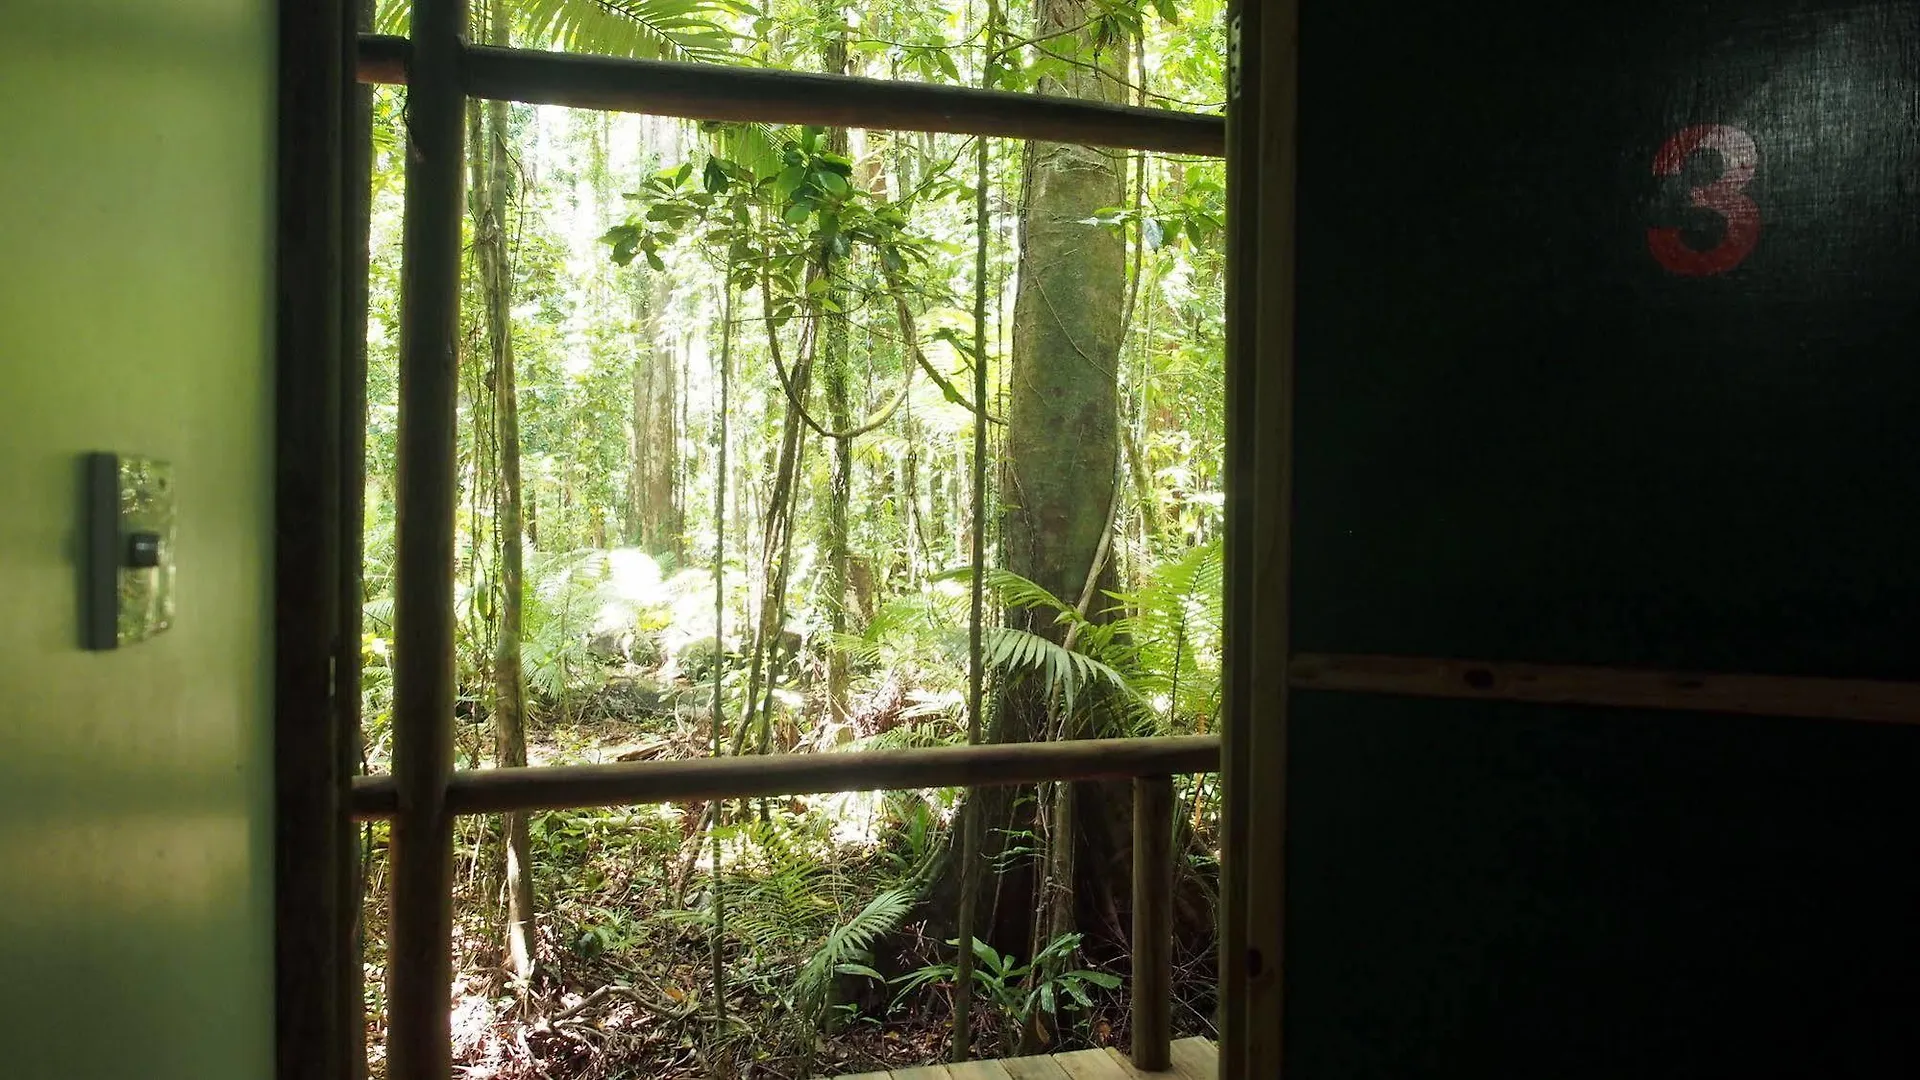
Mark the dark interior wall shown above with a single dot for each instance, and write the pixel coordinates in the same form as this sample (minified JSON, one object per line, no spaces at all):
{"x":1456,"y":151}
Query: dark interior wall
{"x":1522,"y":436}
{"x":1517,"y":891}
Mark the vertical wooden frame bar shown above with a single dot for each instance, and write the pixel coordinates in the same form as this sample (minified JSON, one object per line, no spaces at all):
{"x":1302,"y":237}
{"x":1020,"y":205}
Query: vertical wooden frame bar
{"x":1152,"y":923}
{"x":356,"y":210}
{"x":420,"y":967}
{"x":309,"y":792}
{"x":1242,"y":362}
{"x":1275,"y":43}
{"x":1261,"y":123}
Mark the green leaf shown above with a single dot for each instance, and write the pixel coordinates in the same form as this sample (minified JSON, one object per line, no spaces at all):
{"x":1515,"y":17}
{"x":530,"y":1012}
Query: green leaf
{"x":715,"y":178}
{"x":833,"y":183}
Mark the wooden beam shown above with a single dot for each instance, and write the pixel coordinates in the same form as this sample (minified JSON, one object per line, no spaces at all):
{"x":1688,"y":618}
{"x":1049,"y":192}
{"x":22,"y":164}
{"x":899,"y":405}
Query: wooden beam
{"x":1862,"y":700}
{"x":490,"y":791}
{"x":309,"y":790}
{"x":1152,"y":923}
{"x":1238,"y":661}
{"x":742,"y":94}
{"x":357,"y":222}
{"x":420,"y":932}
{"x":383,"y":59}
{"x":1261,"y":182}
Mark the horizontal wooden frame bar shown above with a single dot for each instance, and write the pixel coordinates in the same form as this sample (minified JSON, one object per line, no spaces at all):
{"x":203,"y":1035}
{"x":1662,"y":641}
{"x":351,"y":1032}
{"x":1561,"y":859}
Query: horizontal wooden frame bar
{"x":761,"y":95}
{"x":491,"y":791}
{"x":1862,"y":700}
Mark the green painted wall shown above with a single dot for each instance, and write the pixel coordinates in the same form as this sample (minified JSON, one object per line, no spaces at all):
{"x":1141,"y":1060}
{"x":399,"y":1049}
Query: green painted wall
{"x":136,"y":828}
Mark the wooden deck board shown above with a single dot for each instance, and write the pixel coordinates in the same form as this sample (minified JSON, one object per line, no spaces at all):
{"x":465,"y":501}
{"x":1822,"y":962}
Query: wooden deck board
{"x":1196,"y":1059}
{"x":1193,"y":1059}
{"x":979,"y":1070}
{"x":1034,"y":1068}
{"x":1091,"y":1065}
{"x":1125,"y":1065}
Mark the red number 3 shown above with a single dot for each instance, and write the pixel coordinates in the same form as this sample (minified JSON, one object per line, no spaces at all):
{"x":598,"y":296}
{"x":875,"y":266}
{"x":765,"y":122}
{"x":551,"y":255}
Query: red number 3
{"x":1739,"y":157}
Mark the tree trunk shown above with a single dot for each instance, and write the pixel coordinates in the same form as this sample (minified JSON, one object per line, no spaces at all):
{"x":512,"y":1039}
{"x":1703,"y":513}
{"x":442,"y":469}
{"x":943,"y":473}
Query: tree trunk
{"x":834,"y":363}
{"x":657,"y":526}
{"x":776,"y":542}
{"x":492,"y":184}
{"x":1062,"y":447}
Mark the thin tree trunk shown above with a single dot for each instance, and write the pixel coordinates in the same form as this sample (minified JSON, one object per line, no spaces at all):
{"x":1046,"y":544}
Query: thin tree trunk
{"x":509,"y":688}
{"x":834,"y":364}
{"x":1134,"y":444}
{"x":969,"y":915}
{"x":636,"y":435}
{"x":657,"y":526}
{"x":776,"y":537}
{"x":716,"y":943}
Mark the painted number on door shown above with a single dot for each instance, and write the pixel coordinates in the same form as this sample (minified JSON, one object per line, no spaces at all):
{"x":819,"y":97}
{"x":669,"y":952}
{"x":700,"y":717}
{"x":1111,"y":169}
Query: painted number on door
{"x":1724,"y":195}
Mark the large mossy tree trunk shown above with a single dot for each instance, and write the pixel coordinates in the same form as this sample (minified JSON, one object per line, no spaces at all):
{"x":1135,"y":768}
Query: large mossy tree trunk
{"x":493,"y":184}
{"x":1062,"y":452}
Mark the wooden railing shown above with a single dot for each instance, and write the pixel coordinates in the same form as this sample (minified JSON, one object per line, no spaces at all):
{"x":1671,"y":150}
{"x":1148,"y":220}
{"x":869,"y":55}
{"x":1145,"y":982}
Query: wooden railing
{"x":768,"y":96}
{"x":1150,"y":763}
{"x":493,"y":791}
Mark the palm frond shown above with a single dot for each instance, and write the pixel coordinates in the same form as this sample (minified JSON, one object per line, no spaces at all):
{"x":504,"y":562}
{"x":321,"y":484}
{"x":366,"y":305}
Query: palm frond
{"x":757,"y":146}
{"x":850,"y":943}
{"x":637,"y":29}
{"x":1015,"y":591}
{"x":1066,"y":672}
{"x":392,"y":16}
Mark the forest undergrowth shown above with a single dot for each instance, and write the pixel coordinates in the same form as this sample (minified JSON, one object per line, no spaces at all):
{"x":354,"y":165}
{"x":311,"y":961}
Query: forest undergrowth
{"x":831,"y":967}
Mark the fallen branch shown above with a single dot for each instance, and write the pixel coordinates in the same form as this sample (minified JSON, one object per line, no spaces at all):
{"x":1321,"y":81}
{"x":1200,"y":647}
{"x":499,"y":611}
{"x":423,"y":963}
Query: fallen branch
{"x":632,"y":994}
